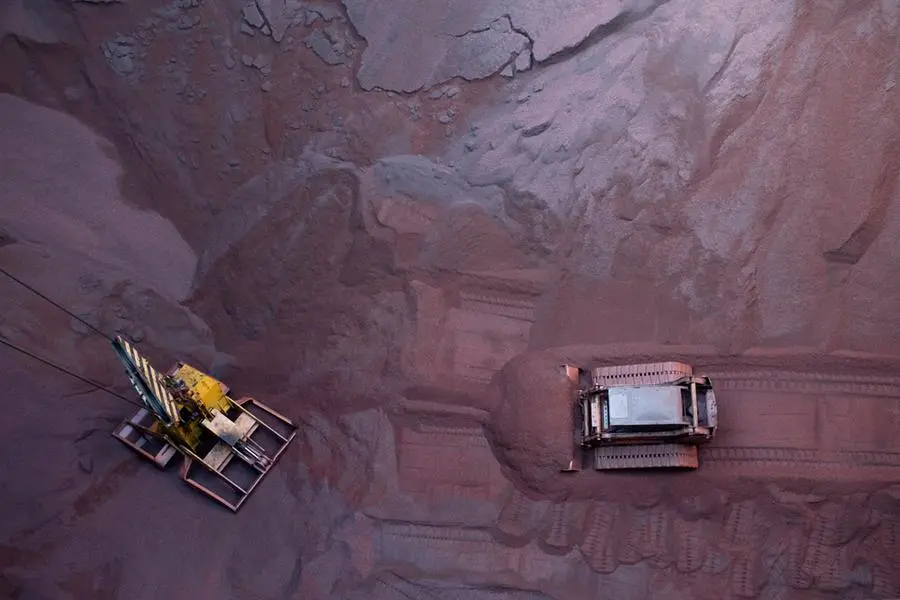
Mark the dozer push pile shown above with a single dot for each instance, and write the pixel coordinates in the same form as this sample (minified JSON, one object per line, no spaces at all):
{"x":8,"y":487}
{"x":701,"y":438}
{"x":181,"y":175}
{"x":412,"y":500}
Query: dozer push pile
{"x":228,"y":446}
{"x":651,"y":415}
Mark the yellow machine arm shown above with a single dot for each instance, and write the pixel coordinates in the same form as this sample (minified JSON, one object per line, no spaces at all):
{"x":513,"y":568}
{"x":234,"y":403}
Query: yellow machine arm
{"x":148,"y":382}
{"x":190,"y":412}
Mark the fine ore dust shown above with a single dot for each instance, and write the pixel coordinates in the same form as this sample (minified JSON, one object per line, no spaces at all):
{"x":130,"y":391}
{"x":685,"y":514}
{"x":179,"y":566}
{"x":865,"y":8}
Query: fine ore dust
{"x":394,"y":223}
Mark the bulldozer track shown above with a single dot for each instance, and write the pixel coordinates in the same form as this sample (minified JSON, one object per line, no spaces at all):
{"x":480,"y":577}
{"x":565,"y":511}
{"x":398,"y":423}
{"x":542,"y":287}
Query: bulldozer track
{"x":635,"y":456}
{"x":640,"y":374}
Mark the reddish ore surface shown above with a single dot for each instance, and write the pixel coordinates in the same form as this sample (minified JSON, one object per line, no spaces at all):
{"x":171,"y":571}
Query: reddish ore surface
{"x":392,"y":222}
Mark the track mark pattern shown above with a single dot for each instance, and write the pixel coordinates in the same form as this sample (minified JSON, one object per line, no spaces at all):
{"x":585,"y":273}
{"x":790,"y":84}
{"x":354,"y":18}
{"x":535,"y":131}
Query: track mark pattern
{"x":806,"y":383}
{"x":690,"y":545}
{"x":632,"y":531}
{"x":818,"y":551}
{"x":745,"y":575}
{"x":455,"y":550}
{"x":597,"y":547}
{"x":485,"y":332}
{"x":796,"y":553}
{"x":739,"y":525}
{"x":516,"y":516}
{"x":564,"y":525}
{"x":656,"y":544}
{"x":835,"y":573}
{"x":440,"y":462}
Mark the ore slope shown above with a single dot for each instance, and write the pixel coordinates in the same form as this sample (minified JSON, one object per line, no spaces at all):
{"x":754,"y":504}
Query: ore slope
{"x":394,"y":246}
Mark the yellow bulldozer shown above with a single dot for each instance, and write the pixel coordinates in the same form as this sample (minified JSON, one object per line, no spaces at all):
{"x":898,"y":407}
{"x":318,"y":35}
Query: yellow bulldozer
{"x":228,"y":446}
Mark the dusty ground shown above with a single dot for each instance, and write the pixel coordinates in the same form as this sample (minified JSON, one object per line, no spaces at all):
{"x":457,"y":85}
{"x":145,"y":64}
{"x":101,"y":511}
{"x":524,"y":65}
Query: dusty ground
{"x":391,"y":220}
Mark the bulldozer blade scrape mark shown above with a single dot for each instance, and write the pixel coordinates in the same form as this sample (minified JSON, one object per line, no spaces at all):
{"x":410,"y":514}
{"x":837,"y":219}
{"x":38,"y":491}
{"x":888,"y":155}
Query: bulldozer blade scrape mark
{"x":826,"y":561}
{"x":774,"y":565}
{"x":464,"y":338}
